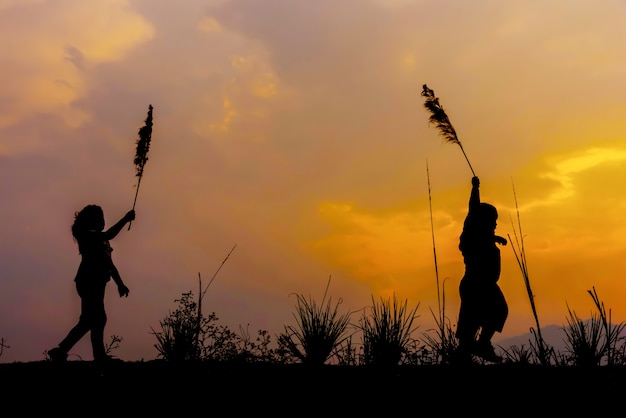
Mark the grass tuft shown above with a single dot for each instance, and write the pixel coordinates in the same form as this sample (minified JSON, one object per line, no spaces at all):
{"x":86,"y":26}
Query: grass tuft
{"x":387,"y":332}
{"x":319,"y":331}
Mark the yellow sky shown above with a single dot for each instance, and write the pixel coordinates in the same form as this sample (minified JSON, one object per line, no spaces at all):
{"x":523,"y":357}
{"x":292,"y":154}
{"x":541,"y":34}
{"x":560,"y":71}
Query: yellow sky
{"x":296,"y":131}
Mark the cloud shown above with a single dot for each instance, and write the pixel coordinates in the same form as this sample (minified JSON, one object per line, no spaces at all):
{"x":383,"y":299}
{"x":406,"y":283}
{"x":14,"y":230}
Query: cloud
{"x":49,"y":64}
{"x":296,"y":130}
{"x":385,"y":248}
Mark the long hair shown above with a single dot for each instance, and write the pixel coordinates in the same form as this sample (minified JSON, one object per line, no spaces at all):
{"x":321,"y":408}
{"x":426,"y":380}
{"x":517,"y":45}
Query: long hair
{"x":91,"y":217}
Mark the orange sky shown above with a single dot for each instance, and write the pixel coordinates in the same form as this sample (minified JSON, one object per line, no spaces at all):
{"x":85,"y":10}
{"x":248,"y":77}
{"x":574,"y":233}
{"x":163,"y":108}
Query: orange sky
{"x":295,"y":130}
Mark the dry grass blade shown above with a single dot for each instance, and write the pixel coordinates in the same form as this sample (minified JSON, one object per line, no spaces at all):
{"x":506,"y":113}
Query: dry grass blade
{"x":542,"y":350}
{"x":432,"y":232}
{"x":441,"y":346}
{"x":438,"y":116}
{"x":612,"y":333}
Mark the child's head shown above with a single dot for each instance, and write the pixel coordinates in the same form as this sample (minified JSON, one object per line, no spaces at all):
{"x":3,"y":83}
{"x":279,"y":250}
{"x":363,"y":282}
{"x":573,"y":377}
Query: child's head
{"x":487,"y":216}
{"x":91,"y":217}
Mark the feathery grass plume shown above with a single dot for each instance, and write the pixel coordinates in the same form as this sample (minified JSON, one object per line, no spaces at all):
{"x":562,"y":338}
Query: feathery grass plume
{"x":439,"y":118}
{"x":141,"y":155}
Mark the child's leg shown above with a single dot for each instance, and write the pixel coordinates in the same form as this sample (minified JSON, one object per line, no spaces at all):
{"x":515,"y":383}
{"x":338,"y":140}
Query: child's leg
{"x":82,"y":327}
{"x":486,"y":334}
{"x":484,"y":348}
{"x":98,"y":322}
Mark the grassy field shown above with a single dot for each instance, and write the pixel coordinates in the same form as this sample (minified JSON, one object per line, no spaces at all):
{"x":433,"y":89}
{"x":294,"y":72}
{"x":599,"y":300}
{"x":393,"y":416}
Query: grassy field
{"x":316,"y":370}
{"x":159,"y":388}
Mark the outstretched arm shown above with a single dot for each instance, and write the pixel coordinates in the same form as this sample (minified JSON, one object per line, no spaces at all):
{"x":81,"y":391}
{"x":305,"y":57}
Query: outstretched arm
{"x":112,"y":232}
{"x":474,"y":201}
{"x":500,"y":240}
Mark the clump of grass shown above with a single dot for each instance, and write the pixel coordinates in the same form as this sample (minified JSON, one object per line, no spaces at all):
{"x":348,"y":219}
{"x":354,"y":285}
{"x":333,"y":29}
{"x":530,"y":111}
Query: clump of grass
{"x":583,"y":341}
{"x":444,"y":344}
{"x":519,"y":354}
{"x":319,"y":331}
{"x":387,"y":332}
{"x":591,"y":342}
{"x":612,"y":333}
{"x":347,"y":353}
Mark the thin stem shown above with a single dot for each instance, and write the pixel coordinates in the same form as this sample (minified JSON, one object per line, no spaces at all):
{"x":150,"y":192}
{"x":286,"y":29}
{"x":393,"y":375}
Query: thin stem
{"x":135,"y":200}
{"x":217,"y":271}
{"x":432,"y":229}
{"x":466,"y":159}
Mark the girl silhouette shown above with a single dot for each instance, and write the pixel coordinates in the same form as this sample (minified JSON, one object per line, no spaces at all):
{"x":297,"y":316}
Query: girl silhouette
{"x":483,"y":306}
{"x":94,"y":272}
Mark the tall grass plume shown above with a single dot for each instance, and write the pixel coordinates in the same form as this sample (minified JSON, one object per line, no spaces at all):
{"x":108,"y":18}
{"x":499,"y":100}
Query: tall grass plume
{"x":440,"y":119}
{"x":141,"y":152}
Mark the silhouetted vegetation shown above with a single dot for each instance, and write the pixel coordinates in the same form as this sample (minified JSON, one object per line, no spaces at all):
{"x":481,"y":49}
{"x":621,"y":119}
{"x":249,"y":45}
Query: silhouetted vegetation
{"x":538,"y":347}
{"x":388,"y":328}
{"x":595,"y":341}
{"x":186,"y":334}
{"x":443,"y":344}
{"x":2,"y":346}
{"x":319,"y":332}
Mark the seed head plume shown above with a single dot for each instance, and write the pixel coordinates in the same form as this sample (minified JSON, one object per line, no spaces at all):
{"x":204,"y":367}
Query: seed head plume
{"x":439,"y":118}
{"x":143,"y":144}
{"x":141,"y":155}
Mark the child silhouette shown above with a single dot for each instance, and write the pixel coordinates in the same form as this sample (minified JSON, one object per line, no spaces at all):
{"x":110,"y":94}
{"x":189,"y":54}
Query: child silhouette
{"x":483,"y":306}
{"x":94,"y":272}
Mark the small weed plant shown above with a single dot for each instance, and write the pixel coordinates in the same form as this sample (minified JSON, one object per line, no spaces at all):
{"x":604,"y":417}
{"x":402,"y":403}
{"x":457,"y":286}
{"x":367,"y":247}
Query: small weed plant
{"x":188,"y":335}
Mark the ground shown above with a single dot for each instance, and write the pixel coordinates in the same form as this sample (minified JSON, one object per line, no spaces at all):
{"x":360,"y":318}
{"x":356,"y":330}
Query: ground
{"x":162,"y":389}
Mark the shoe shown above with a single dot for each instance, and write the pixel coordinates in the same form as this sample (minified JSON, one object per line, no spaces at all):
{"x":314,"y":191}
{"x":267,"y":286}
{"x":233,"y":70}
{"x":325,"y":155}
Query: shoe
{"x":106,"y":359}
{"x":461,"y":357}
{"x":57,"y":355}
{"x":486,"y":351}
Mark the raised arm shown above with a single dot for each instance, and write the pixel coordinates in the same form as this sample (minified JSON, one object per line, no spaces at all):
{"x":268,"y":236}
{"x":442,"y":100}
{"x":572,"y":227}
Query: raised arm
{"x":112,"y":232}
{"x":474,"y":201}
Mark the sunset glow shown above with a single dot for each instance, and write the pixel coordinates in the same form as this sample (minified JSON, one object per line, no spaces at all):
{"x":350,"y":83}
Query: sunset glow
{"x":296,"y":130}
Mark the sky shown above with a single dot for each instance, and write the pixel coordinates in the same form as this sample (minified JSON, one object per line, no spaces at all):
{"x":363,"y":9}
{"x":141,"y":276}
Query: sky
{"x":294,"y":134}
